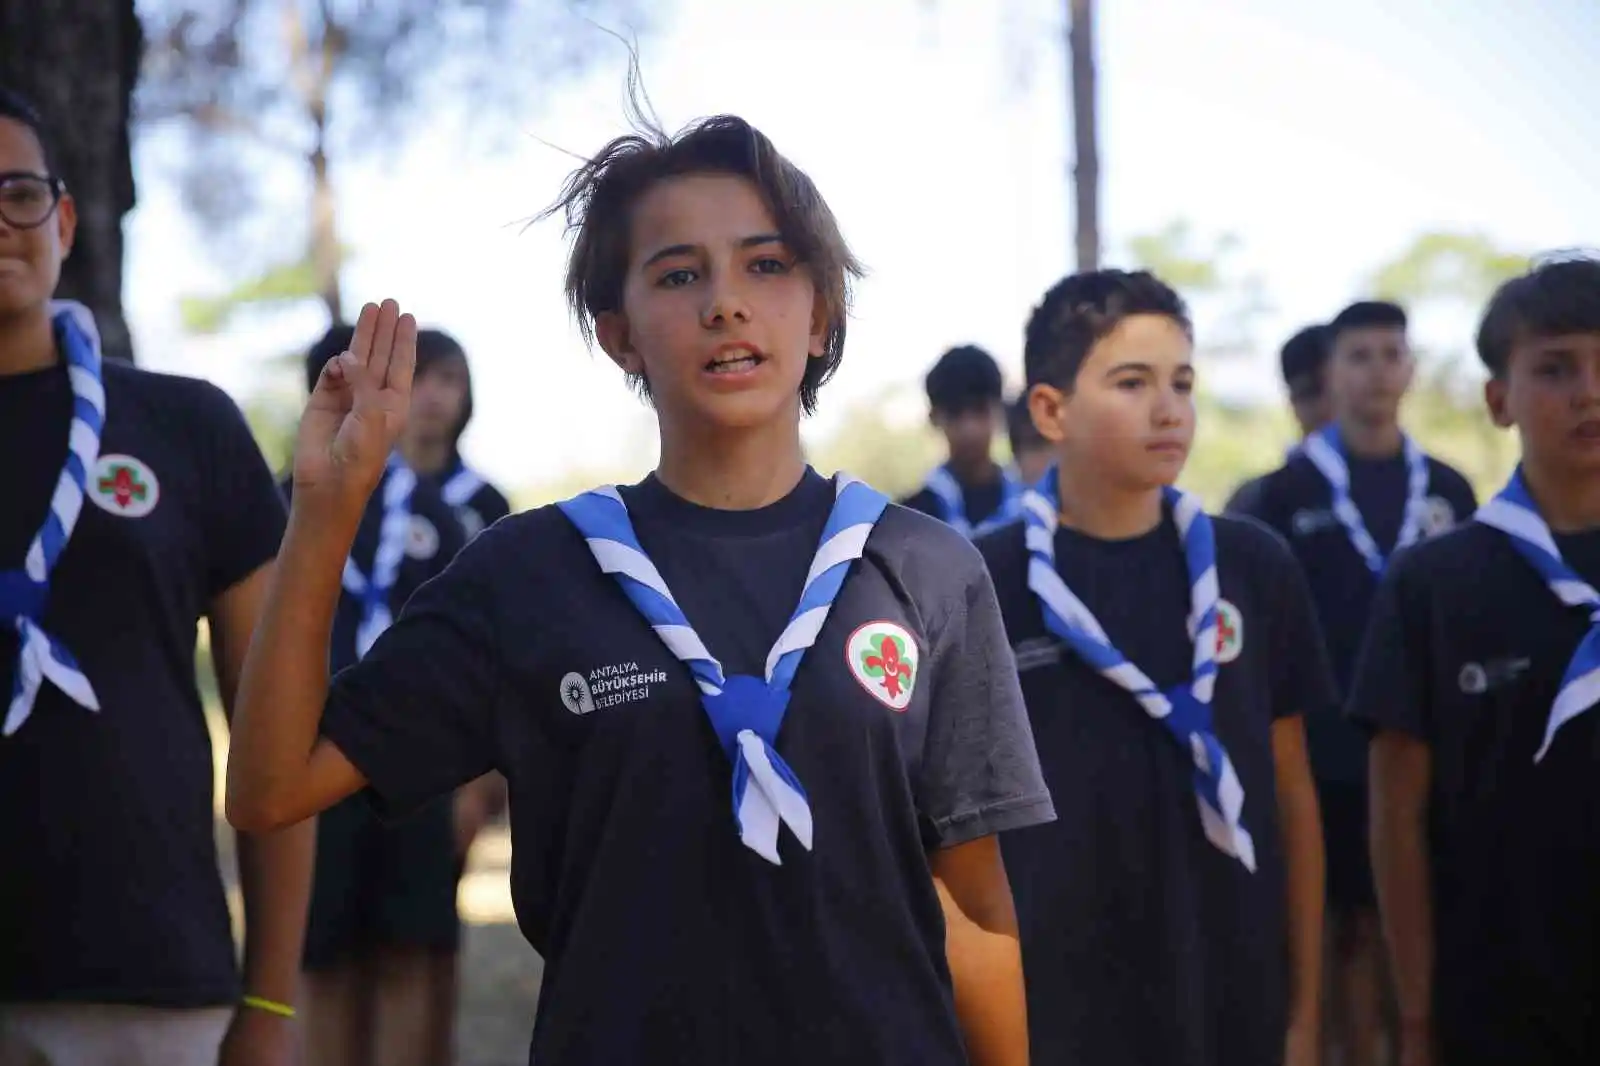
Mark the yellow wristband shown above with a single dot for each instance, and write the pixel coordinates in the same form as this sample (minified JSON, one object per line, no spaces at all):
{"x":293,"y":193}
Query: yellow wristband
{"x":282,"y":1010}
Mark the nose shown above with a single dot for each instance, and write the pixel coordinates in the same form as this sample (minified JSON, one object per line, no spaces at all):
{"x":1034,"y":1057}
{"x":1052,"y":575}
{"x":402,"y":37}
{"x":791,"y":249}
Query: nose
{"x":725,"y":302}
{"x":1169,"y":409}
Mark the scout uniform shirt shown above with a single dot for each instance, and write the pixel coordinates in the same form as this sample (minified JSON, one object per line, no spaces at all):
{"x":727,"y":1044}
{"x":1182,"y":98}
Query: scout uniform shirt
{"x":666,"y":937}
{"x":109,"y":886}
{"x":1467,"y":651}
{"x":1144,"y":943}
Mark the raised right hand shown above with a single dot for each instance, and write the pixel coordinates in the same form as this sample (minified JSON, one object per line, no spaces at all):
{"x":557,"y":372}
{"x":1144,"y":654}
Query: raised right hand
{"x":357,"y":410}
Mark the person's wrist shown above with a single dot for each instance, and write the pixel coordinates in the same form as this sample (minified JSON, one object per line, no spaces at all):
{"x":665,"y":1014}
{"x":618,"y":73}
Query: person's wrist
{"x":271,"y":1007}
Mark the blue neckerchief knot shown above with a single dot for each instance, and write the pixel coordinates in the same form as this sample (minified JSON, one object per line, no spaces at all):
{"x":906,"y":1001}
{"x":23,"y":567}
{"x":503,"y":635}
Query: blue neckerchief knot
{"x":25,"y":592}
{"x":953,"y":502}
{"x":1513,"y":512}
{"x":1325,"y":450}
{"x":1185,"y":710}
{"x":745,"y":712}
{"x":373,"y":590}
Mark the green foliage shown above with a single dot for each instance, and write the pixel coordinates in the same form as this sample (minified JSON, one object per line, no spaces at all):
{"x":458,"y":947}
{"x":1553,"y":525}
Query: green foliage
{"x":1463,"y":268}
{"x":279,"y":284}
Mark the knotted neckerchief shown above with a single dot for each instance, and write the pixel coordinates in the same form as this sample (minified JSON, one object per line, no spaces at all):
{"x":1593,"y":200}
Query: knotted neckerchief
{"x":943,"y":484}
{"x":373,"y":590}
{"x":1514,"y":513}
{"x":746,"y":712}
{"x":1326,"y":452}
{"x":1184,"y":709}
{"x":461,"y":483}
{"x":24,"y":593}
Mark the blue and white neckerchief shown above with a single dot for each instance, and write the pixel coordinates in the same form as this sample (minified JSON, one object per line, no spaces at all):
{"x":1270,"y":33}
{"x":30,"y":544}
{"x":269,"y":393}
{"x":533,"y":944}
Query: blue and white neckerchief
{"x":943,"y":484}
{"x":1185,"y":709}
{"x":1326,"y":451}
{"x":460,"y":484}
{"x":373,"y":590}
{"x":24,"y":593}
{"x":1514,"y":513}
{"x":746,"y":712}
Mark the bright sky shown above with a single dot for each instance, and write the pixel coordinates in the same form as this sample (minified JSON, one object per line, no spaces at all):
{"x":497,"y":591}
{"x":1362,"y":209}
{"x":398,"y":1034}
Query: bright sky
{"x":1324,"y":136}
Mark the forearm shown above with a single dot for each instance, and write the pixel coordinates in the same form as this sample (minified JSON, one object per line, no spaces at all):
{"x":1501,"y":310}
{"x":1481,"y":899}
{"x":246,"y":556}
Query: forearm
{"x":275,"y":880}
{"x":1403,"y":877}
{"x":986,"y":969}
{"x":284,"y":680}
{"x":1300,"y":826}
{"x":1305,"y":884}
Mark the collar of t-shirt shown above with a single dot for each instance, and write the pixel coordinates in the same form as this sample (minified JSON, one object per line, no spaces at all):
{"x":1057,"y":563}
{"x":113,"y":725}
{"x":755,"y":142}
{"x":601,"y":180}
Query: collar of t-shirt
{"x":652,"y":502}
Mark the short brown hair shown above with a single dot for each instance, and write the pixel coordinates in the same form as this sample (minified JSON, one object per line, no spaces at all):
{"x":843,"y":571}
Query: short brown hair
{"x":598,"y":200}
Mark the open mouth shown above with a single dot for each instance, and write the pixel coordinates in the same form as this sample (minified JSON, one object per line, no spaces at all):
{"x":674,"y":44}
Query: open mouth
{"x":735,"y":361}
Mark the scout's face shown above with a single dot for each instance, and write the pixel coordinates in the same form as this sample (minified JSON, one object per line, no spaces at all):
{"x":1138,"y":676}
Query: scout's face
{"x":1129,"y":417}
{"x":35,"y":231}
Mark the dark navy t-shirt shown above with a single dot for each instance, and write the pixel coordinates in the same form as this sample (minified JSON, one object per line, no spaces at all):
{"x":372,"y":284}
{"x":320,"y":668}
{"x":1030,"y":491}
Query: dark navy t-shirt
{"x":1296,"y":501}
{"x":979,"y":501}
{"x":1466,"y":651}
{"x":1144,"y":944}
{"x":665,"y":939}
{"x":433,"y":537}
{"x":109,"y":887}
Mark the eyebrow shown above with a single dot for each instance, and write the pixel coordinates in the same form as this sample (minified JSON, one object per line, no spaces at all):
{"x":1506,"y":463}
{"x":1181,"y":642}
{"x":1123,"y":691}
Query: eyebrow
{"x":1144,"y":368}
{"x":689,"y":249}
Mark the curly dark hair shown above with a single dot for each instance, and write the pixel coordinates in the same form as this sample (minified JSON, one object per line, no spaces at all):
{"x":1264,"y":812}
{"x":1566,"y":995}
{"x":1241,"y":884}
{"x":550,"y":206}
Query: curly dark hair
{"x":1080,"y":310}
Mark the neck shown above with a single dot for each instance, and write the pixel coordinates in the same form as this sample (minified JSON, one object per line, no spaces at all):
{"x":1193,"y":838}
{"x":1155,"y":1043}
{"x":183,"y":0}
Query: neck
{"x":427,"y":457}
{"x":1568,"y":504}
{"x":1371,"y":440}
{"x":732,"y":470}
{"x":973,"y":472}
{"x":27,"y":343}
{"x":1106,"y":512}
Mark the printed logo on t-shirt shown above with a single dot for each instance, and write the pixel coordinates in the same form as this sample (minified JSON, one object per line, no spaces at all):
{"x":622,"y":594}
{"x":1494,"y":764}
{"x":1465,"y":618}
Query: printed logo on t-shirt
{"x":1230,"y":632}
{"x":1475,"y":679}
{"x":1313,"y":520}
{"x":607,"y":686}
{"x":471,"y":521}
{"x":883,"y":657}
{"x":1438,"y":516}
{"x":124,"y":486}
{"x":575,"y":694}
{"x":422,"y":539}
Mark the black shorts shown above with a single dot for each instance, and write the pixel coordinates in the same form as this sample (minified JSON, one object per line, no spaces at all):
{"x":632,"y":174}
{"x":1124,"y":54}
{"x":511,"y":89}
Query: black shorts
{"x":1344,"y":837}
{"x":380,"y":885}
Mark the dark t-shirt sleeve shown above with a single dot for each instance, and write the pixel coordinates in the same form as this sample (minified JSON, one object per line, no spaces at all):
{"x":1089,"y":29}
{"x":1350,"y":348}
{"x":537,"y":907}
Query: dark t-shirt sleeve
{"x":1389,"y":688}
{"x":417,"y":716}
{"x":243,"y":513}
{"x":1302,"y":677}
{"x":980,"y":772}
{"x":926,"y":502}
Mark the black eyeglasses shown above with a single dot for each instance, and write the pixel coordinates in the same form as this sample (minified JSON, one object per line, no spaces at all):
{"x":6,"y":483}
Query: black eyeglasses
{"x":28,"y":200}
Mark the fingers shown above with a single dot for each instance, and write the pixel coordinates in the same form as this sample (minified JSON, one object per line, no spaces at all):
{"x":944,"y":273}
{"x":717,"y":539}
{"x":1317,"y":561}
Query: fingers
{"x":366,"y":326}
{"x":403,"y":361}
{"x":382,"y":353}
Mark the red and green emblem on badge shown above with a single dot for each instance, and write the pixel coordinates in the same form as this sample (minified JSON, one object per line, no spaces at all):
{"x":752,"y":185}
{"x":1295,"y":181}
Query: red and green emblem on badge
{"x":882,"y":658}
{"x":124,"y":486}
{"x":1230,"y":632}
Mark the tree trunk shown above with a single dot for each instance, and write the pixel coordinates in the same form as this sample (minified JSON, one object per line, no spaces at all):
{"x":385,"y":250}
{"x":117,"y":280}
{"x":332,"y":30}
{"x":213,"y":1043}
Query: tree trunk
{"x":1085,"y":137}
{"x":78,"y":61}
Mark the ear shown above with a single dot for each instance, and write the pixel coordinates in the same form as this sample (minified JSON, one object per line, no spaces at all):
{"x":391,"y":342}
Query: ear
{"x":66,"y":219}
{"x":936,"y":418}
{"x":820,"y":321}
{"x":611,"y":330}
{"x":1495,"y":395}
{"x":1047,"y":406}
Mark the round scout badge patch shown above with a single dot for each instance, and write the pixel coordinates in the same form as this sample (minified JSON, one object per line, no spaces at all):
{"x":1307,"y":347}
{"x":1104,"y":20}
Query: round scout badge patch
{"x":422,"y":539}
{"x":575,"y":694}
{"x":1437,"y":516}
{"x":1230,"y":632}
{"x":124,"y":486}
{"x":883,"y":659}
